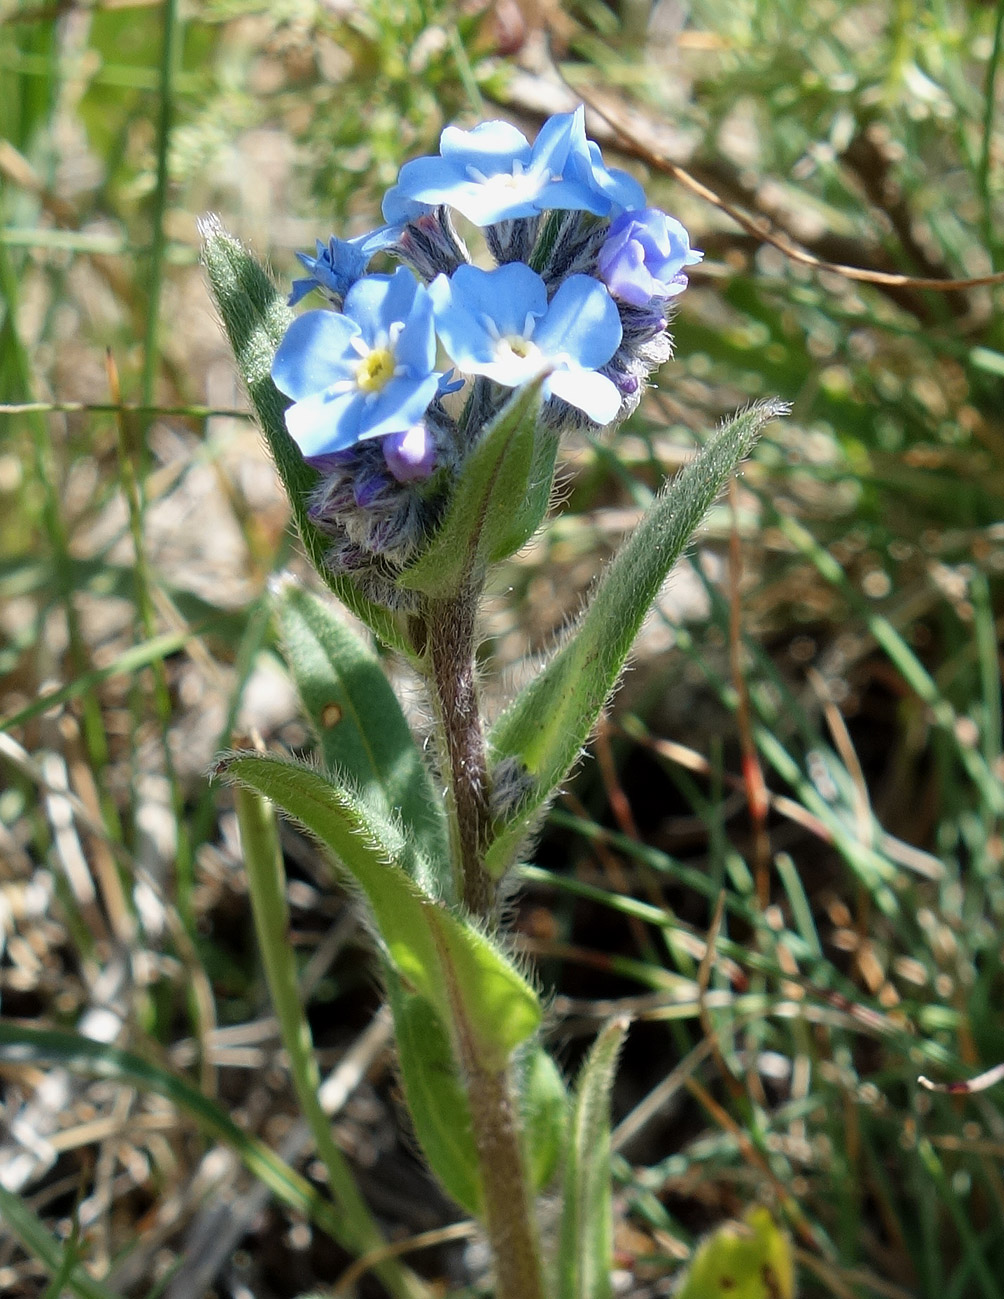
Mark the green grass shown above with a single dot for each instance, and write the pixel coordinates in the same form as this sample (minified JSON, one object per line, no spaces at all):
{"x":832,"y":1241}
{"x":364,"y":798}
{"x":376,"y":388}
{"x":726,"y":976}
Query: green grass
{"x":137,"y":546}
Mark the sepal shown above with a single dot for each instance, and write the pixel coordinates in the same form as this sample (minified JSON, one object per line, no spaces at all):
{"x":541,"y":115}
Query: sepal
{"x":499,"y":499}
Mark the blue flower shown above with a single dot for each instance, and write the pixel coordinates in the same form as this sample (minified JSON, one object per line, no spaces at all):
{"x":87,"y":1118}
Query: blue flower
{"x":499,"y":324}
{"x":610,"y":190}
{"x":363,"y":373}
{"x":492,"y":174}
{"x":338,"y":265}
{"x":644,"y":256}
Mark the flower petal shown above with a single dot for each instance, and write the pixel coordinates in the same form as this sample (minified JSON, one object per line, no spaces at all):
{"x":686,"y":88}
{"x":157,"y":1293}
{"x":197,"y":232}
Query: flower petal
{"x":397,"y":407}
{"x":325,"y":422}
{"x":592,"y":393}
{"x":582,"y":323}
{"x":377,"y":300}
{"x":398,"y":207}
{"x":644,"y":255}
{"x":489,"y":142}
{"x":314,"y":354}
{"x":475,"y":307}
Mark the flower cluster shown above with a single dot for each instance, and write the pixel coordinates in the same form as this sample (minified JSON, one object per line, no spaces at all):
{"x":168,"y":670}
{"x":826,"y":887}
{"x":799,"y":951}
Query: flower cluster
{"x":583,"y":280}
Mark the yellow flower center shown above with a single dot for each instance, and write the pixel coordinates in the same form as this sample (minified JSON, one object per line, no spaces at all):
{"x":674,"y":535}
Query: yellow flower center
{"x":516,"y":345}
{"x":376,"y":370}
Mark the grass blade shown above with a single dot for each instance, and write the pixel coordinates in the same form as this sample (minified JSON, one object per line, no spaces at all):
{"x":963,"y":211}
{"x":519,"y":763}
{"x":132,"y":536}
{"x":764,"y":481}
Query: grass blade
{"x":57,"y":1259}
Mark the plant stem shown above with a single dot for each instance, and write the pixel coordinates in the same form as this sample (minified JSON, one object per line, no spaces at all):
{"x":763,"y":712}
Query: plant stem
{"x":450,"y":626}
{"x":508,"y":1205}
{"x":508,"y":1208}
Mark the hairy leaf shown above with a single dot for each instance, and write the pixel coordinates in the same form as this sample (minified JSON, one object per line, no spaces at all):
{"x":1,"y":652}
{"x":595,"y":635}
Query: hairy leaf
{"x":550,"y":720}
{"x":543,"y":1102}
{"x":256,"y":317}
{"x":586,"y":1241}
{"x":498,"y":502}
{"x":362,"y":732}
{"x":472,"y":985}
{"x":436,"y":1098}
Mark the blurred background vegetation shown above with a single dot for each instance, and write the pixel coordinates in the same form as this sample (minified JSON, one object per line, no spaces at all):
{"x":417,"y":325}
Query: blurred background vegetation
{"x":811,"y":730}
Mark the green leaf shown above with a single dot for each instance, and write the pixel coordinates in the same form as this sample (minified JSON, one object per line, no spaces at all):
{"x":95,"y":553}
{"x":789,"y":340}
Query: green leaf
{"x":59,"y":1260}
{"x":747,"y":1260}
{"x":543,"y":1103}
{"x":437,"y":1101}
{"x":472,"y":986}
{"x":585,"y":1246}
{"x":551,"y":719}
{"x":362,"y":732}
{"x":256,"y":317}
{"x":498,"y":501}
{"x":439,"y":1109}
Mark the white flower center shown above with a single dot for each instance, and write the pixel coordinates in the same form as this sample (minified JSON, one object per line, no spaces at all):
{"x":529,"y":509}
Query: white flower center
{"x":512,"y":186}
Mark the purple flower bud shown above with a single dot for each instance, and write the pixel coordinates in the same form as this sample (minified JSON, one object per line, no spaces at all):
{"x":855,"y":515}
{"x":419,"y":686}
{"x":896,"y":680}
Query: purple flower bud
{"x":644,"y":256}
{"x":368,"y":489}
{"x":410,"y":456}
{"x":430,"y":245}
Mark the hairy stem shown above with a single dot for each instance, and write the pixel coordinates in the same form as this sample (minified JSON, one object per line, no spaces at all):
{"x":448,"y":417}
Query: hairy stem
{"x":508,"y":1203}
{"x":508,"y":1207}
{"x":450,"y":625}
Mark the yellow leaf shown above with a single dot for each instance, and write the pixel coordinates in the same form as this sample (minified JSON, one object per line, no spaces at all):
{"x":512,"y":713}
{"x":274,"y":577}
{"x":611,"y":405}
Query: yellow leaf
{"x":742,"y":1260}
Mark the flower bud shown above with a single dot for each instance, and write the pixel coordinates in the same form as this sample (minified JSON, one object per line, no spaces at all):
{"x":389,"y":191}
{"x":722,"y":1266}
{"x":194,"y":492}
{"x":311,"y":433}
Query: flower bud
{"x":410,"y":456}
{"x":430,"y":245}
{"x":644,"y":256}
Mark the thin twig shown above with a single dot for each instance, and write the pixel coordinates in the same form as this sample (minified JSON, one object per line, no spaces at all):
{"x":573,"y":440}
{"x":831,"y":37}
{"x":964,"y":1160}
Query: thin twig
{"x":759,"y":227}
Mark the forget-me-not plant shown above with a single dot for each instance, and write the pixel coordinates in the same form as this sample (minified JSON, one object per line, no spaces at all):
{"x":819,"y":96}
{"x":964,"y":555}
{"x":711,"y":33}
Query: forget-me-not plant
{"x":579,"y":297}
{"x":408,"y":481}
